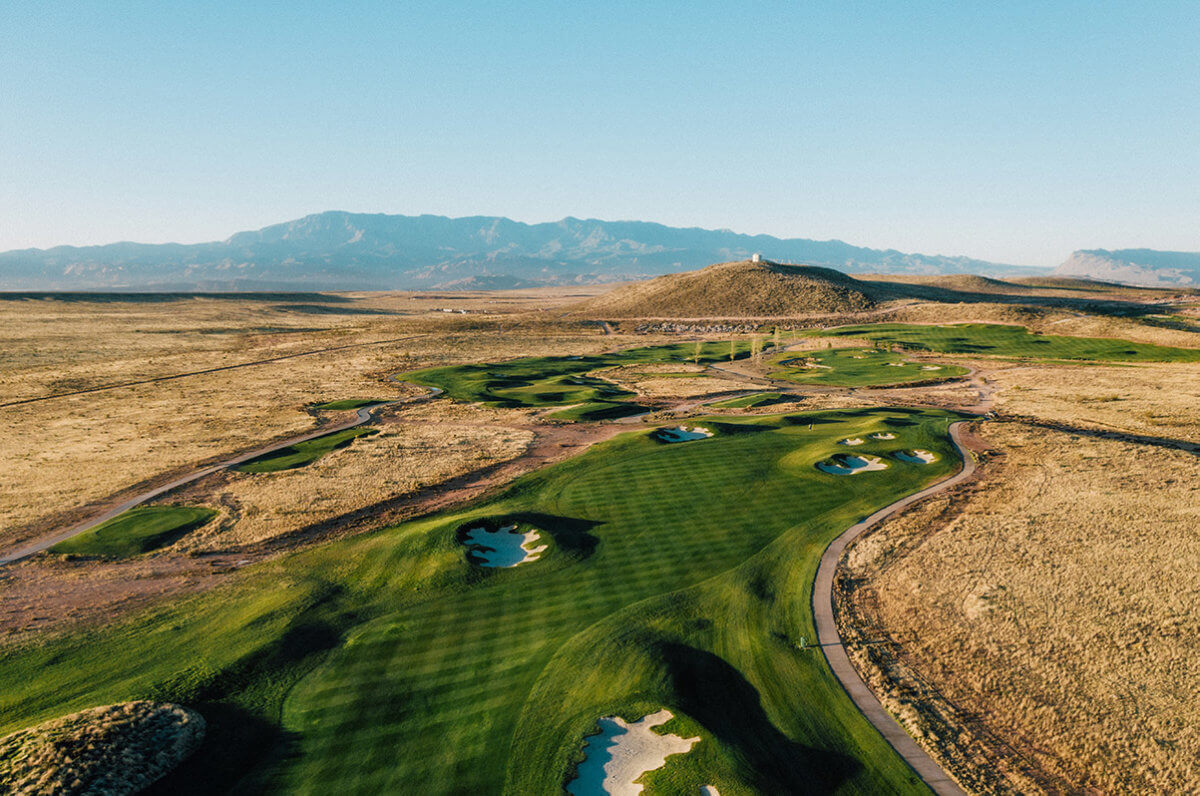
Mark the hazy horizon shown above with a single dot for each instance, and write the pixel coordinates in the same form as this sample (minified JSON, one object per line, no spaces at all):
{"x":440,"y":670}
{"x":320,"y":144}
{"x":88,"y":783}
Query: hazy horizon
{"x":1013,"y":134}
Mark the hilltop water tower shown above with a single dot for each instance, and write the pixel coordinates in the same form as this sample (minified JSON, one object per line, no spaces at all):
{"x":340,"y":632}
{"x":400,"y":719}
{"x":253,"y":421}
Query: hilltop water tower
{"x":756,"y":258}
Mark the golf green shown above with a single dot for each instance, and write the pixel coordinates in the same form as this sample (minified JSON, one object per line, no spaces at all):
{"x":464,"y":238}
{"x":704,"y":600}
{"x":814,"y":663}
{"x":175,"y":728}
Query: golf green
{"x":857,"y":367}
{"x":139,"y":530}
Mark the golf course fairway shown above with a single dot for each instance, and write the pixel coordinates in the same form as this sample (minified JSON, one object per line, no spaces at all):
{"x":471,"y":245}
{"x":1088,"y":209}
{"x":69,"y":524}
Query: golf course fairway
{"x":676,"y":577}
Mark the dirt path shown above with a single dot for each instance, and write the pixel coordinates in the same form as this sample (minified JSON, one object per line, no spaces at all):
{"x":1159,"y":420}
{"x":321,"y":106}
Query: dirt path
{"x":830,"y":640}
{"x":361,"y":416}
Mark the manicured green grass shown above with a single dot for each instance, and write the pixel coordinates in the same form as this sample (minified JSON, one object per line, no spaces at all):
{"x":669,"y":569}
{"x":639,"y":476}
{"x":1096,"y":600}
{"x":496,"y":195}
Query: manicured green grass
{"x":1012,"y":341}
{"x":139,"y":530}
{"x":348,"y":403}
{"x":857,"y":367}
{"x":600,"y":410}
{"x":303,"y":453}
{"x":749,"y":401}
{"x":558,"y":381}
{"x":679,"y":576}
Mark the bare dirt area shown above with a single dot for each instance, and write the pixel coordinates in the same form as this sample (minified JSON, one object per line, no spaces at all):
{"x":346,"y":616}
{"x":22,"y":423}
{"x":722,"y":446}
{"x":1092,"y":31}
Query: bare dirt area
{"x":1037,"y":629}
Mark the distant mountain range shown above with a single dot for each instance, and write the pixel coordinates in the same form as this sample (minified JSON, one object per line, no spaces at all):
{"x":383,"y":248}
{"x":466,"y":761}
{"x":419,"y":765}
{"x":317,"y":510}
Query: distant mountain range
{"x":360,"y":251}
{"x":1135,"y":267}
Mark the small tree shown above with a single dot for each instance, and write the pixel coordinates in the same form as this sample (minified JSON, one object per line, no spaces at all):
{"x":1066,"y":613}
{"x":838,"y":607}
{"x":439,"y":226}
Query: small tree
{"x":777,"y":337}
{"x":696,"y":353}
{"x":733,"y":349}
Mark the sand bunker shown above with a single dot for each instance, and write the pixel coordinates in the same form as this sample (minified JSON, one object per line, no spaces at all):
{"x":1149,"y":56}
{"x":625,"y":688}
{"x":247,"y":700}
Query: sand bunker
{"x":504,"y":547}
{"x":844,"y":464}
{"x":897,"y":364}
{"x":931,"y":367}
{"x":916,"y":456}
{"x":708,"y":790}
{"x":882,"y":435}
{"x":622,"y":752}
{"x":851,"y":441}
{"x":683,"y":434}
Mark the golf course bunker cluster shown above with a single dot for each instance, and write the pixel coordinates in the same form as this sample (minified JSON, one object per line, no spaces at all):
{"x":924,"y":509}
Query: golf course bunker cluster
{"x":501,"y":544}
{"x":682,"y":434}
{"x":622,"y":752}
{"x":845,"y":464}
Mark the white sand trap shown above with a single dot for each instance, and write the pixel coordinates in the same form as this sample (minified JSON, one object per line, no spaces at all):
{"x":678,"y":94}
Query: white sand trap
{"x":898,"y":364}
{"x":851,"y":441}
{"x":622,"y":752}
{"x":683,"y":434}
{"x":504,"y":547}
{"x":882,"y":435}
{"x":916,"y":457}
{"x":708,"y":790}
{"x":931,"y":367}
{"x":842,"y":464}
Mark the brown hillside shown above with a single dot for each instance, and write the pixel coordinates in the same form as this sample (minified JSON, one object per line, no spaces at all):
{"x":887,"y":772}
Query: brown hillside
{"x":734,"y":290}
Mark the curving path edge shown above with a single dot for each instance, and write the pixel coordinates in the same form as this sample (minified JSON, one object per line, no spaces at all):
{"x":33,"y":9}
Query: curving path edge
{"x":830,"y":640}
{"x":361,"y":416}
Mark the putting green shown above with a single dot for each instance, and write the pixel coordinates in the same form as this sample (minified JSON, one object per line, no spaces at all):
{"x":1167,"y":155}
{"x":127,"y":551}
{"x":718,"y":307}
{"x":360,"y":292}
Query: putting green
{"x":857,"y":367}
{"x":139,"y":530}
{"x":303,"y":453}
{"x":1012,"y":341}
{"x":677,"y":576}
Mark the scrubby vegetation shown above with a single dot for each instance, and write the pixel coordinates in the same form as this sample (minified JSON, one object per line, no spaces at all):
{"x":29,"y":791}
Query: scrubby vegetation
{"x":1049,"y":637}
{"x":117,"y":749}
{"x":139,"y":530}
{"x":736,"y":290}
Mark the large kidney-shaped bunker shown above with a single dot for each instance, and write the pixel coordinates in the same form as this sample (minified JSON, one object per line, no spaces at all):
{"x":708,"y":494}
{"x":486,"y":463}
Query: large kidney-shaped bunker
{"x":916,"y":456}
{"x":501,"y":544}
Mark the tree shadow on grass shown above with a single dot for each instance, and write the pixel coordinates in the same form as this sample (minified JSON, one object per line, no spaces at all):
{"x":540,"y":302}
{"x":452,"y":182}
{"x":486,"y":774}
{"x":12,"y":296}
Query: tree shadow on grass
{"x":716,"y":695}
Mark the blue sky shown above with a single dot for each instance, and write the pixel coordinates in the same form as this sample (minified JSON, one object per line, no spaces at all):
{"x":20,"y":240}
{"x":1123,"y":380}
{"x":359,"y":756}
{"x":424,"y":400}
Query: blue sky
{"x":1013,"y":131}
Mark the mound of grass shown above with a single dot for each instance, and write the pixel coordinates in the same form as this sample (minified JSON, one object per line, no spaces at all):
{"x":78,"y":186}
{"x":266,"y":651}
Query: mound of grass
{"x":303,"y":453}
{"x":750,"y":401}
{"x":113,"y":749}
{"x":390,"y":663}
{"x":738,"y":289}
{"x":599,"y":410}
{"x":139,"y":530}
{"x":857,"y":367}
{"x":347,"y":403}
{"x":1012,"y":341}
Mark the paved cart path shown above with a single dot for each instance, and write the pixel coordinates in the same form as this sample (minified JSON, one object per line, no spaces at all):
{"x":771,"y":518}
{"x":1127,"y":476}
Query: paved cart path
{"x":831,"y":641}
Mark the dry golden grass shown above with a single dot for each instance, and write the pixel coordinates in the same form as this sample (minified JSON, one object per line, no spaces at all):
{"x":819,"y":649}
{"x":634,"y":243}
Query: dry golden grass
{"x":398,"y":461}
{"x":1159,"y":399}
{"x":116,"y":749}
{"x":61,"y":456}
{"x":1057,"y":606}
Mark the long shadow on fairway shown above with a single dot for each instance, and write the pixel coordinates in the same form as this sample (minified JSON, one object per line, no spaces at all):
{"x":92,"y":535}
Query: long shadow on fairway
{"x":715,"y":694}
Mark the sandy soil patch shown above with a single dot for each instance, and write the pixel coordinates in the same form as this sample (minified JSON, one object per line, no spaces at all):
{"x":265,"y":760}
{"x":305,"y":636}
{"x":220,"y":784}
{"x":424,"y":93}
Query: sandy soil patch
{"x":622,"y":752}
